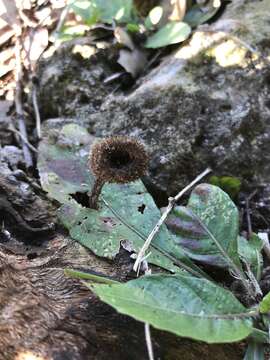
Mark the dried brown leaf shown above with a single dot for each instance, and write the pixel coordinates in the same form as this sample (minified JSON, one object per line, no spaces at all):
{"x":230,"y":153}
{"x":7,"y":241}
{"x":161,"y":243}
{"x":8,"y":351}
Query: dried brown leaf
{"x":9,"y":12}
{"x":36,"y":43}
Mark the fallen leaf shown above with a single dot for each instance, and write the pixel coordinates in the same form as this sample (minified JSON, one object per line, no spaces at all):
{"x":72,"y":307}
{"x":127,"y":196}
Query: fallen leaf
{"x":123,"y":38}
{"x":36,"y":43}
{"x":5,"y":34}
{"x":132,"y":61}
{"x":9,"y":12}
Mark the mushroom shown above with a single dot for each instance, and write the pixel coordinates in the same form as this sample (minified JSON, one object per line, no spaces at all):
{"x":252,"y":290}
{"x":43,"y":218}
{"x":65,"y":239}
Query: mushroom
{"x":117,"y":159}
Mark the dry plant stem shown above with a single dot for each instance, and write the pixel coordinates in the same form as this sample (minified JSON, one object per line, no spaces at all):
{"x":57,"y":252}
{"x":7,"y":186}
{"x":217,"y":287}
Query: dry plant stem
{"x":62,"y":18}
{"x":95,"y":193}
{"x":148,"y":341}
{"x":169,"y":256}
{"x":15,"y":131}
{"x":18,"y":101}
{"x":172,"y":201}
{"x":36,"y":110}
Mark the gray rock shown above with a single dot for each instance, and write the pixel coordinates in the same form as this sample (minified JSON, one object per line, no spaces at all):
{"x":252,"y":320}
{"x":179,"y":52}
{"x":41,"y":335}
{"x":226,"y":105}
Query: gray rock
{"x":70,"y":85}
{"x":205,"y":105}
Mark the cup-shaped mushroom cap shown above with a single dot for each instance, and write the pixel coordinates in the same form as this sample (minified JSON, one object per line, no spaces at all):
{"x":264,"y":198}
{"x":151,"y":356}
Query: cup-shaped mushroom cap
{"x":118,"y":159}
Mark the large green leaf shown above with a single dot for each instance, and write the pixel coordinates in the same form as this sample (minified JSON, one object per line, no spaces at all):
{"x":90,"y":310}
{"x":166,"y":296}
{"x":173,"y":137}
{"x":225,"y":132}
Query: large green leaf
{"x":209,"y":205}
{"x":182,"y":304}
{"x":172,"y":33}
{"x":65,"y":175}
{"x":197,"y":16}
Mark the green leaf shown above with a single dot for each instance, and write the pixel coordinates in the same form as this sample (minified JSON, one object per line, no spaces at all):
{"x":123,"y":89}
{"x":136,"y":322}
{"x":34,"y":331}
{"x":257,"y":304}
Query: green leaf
{"x":218,"y":214}
{"x":260,"y":336}
{"x":71,"y":32}
{"x":105,"y":11}
{"x":133,"y":28}
{"x":119,"y":10}
{"x":250,"y":252}
{"x":87,"y":10}
{"x":197,"y":16}
{"x":172,"y":33}
{"x":89,"y":276}
{"x":153,"y":17}
{"x":255,"y":351}
{"x":184,"y":305}
{"x":126,"y":215}
{"x":264,"y":306}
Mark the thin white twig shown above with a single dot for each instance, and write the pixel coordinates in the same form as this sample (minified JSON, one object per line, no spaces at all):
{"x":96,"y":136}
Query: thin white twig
{"x":18,"y":99}
{"x":15,"y":131}
{"x":163,"y":252}
{"x":172,"y":201}
{"x":148,"y":341}
{"x":36,"y":110}
{"x":62,"y":18}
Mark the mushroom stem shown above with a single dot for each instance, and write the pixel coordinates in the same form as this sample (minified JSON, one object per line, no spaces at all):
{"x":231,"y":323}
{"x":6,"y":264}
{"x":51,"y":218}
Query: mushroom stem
{"x":95,"y":192}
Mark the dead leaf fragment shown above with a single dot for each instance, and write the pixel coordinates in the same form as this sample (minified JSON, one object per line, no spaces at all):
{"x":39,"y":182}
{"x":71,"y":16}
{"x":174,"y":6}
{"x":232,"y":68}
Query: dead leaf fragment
{"x":36,"y":43}
{"x":123,"y":38}
{"x":9,"y":12}
{"x":132,"y":61}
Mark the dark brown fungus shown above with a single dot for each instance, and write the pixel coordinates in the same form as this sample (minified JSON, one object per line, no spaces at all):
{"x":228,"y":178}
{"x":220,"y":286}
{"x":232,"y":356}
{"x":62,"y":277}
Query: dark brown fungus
{"x":117,"y":159}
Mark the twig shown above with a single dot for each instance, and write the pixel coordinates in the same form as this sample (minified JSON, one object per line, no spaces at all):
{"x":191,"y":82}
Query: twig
{"x":62,"y":18}
{"x":32,"y":71}
{"x":31,"y":147}
{"x":36,"y":110}
{"x":148,"y":341}
{"x":175,"y":261}
{"x":18,"y":100}
{"x":172,"y":201}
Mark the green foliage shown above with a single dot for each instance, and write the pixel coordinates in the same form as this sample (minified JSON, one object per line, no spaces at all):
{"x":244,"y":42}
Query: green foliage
{"x":172,"y":33}
{"x":255,"y":351}
{"x":182,"y":304}
{"x":124,"y":13}
{"x":71,"y":32}
{"x":218,"y":214}
{"x":250,"y":252}
{"x":265,"y":304}
{"x":197,"y":16}
{"x":153,"y":17}
{"x":107,"y":11}
{"x":231,"y":185}
{"x":188,"y":303}
{"x":89,"y":277}
{"x":64,"y":171}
